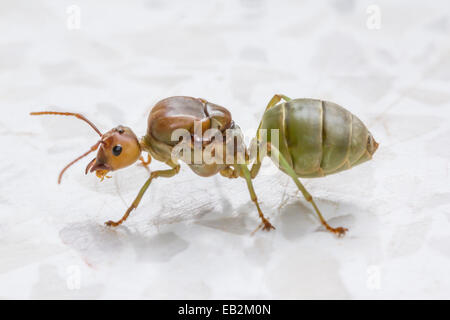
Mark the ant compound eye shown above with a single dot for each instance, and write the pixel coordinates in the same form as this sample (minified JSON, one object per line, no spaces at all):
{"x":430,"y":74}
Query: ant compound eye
{"x":117,"y":150}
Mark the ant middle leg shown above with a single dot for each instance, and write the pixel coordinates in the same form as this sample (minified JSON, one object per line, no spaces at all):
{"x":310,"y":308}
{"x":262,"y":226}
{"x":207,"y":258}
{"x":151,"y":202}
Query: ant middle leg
{"x":245,"y":173}
{"x":229,"y":172}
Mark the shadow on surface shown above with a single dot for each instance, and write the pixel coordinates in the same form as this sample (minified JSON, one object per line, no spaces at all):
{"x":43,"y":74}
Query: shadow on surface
{"x":99,"y":244}
{"x":297,"y":219}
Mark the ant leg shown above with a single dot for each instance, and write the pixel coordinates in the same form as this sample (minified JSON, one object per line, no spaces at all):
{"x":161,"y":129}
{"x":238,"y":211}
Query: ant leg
{"x":273,"y":102}
{"x":229,"y":172}
{"x":155,"y":174}
{"x":340,"y":231}
{"x":266,"y":225}
{"x":261,"y":152}
{"x":275,"y":99}
{"x":257,"y":164}
{"x":146,"y":163}
{"x":255,"y":169}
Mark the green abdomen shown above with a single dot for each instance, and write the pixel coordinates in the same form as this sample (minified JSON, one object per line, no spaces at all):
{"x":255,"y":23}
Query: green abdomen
{"x":318,"y":137}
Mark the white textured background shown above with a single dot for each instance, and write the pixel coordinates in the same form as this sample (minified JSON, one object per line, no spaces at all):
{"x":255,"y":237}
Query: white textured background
{"x":190,"y":238}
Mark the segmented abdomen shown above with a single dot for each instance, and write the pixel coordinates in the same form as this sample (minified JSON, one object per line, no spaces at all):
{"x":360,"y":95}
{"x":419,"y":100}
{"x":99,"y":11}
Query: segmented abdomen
{"x":319,"y":137}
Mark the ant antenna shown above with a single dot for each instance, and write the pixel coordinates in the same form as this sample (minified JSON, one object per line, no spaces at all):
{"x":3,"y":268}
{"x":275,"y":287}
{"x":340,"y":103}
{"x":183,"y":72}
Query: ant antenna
{"x":77,"y":115}
{"x":81,"y":117}
{"x":93,"y":148}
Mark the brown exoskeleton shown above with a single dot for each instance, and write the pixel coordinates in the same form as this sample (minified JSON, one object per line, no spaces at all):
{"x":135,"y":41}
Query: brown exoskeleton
{"x":314,"y":138}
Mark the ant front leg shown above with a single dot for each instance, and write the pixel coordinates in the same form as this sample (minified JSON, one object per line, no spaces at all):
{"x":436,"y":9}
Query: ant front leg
{"x":155,"y":174}
{"x":146,"y":163}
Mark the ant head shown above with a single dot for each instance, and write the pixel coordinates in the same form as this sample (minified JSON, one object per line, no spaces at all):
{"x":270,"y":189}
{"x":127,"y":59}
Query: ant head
{"x":117,"y":149}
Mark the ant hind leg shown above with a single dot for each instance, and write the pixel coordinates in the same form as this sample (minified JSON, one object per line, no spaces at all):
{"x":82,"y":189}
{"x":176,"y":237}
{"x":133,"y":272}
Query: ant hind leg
{"x":339,"y":231}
